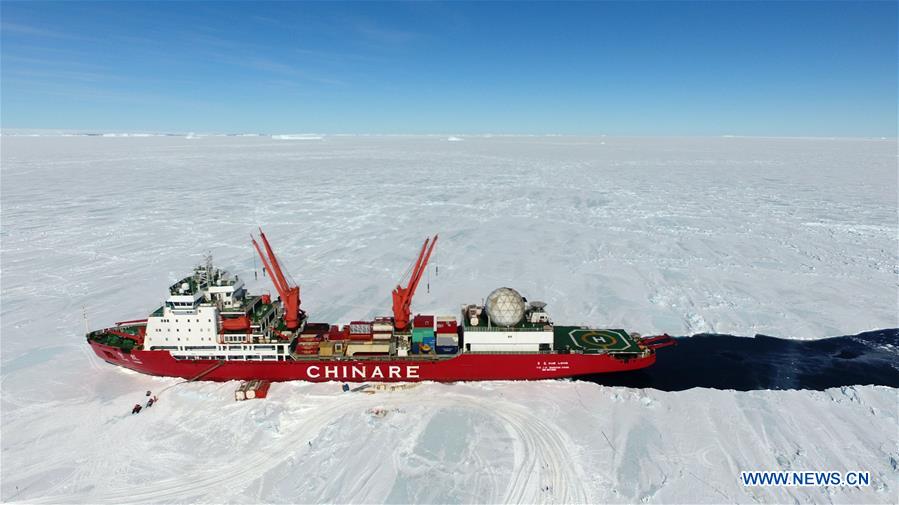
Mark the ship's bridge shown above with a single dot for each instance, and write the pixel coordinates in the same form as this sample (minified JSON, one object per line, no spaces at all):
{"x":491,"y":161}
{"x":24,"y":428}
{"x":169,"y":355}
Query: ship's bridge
{"x":184,"y":295}
{"x":207,"y":285}
{"x":183,"y":302}
{"x":228,"y":293}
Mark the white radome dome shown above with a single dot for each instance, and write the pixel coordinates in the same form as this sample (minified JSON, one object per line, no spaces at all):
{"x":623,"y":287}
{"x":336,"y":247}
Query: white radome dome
{"x":505,"y":307}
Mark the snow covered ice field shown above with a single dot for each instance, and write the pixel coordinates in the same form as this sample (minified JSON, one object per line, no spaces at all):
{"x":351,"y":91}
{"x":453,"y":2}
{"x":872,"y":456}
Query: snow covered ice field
{"x":786,"y":237}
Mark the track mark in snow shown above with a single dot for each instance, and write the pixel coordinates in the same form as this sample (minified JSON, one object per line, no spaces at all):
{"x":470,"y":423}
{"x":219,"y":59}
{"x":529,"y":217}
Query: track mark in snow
{"x":544,"y":469}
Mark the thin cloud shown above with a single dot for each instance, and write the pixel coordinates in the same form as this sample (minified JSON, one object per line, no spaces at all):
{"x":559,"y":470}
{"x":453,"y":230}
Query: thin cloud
{"x":68,"y":75}
{"x":34,"y":31}
{"x":105,"y":95}
{"x":276,"y":67}
{"x":384,"y":35}
{"x":339,"y":56}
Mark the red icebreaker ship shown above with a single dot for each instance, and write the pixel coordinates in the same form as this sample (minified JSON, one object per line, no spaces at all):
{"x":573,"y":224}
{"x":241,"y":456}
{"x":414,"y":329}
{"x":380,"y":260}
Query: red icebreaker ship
{"x":210,"y":328}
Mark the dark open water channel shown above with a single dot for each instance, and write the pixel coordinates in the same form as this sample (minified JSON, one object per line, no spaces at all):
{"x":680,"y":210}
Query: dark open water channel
{"x":762,"y":362}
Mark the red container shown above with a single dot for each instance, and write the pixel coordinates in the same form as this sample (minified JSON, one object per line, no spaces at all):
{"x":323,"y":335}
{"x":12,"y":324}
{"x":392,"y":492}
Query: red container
{"x":311,"y":338}
{"x":360,"y":336}
{"x":421,"y":321}
{"x":446,"y":327}
{"x":262,"y":390}
{"x":316,"y":328}
{"x":336,"y":334}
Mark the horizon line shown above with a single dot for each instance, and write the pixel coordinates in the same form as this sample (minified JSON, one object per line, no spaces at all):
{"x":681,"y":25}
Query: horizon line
{"x":311,"y":135}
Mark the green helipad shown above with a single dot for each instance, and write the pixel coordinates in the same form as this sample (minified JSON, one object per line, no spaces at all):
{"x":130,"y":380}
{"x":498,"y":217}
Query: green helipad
{"x":592,"y":340}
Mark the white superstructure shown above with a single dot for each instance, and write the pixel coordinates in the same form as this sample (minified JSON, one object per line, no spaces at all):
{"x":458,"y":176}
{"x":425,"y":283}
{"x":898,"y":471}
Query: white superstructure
{"x":507,"y":323}
{"x":210,"y":315}
{"x":508,"y":340}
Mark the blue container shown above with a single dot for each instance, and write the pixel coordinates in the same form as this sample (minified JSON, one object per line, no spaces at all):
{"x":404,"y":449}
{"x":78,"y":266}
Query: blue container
{"x":414,"y":347}
{"x":431,"y":341}
{"x":447,"y":349}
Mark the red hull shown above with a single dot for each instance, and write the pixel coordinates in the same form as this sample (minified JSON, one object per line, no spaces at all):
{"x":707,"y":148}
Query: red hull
{"x":465,"y":367}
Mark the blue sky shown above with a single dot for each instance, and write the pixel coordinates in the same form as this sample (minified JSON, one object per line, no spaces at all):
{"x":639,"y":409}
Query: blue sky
{"x":638,"y":68}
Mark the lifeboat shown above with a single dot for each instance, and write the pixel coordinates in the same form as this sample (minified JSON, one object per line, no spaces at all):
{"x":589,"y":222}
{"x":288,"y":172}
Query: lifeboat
{"x":241,"y":323}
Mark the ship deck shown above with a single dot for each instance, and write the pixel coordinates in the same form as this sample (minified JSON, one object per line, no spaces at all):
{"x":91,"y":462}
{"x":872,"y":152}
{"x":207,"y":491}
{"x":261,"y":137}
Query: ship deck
{"x":592,"y":340}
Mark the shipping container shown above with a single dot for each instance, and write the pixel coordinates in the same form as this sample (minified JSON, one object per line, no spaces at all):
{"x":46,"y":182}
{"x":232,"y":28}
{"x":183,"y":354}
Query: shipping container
{"x":445,"y":339}
{"x":382,"y":327}
{"x":447,"y":349}
{"x":360,"y":336}
{"x":335,"y":333}
{"x":307,"y":347}
{"x":262,"y":390}
{"x":415,"y":348}
{"x":446,"y":324}
{"x":367,"y":348}
{"x":316,"y":328}
{"x":381,"y":336}
{"x":360,"y":327}
{"x":421,"y":321}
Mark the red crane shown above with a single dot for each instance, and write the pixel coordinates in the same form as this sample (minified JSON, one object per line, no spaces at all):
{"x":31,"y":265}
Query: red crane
{"x":290,"y":293}
{"x":402,"y":296}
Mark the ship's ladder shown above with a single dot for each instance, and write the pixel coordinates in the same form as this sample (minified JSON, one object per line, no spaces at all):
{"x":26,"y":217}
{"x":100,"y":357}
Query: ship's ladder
{"x":196,"y":377}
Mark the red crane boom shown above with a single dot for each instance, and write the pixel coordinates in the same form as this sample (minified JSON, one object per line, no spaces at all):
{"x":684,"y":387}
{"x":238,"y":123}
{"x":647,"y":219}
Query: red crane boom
{"x":290,"y":294}
{"x":402,"y":296}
